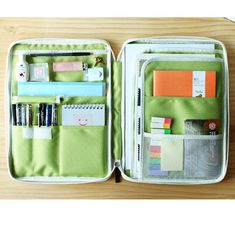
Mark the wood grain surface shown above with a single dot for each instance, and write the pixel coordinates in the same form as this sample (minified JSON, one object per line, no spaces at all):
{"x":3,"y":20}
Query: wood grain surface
{"x":116,"y":31}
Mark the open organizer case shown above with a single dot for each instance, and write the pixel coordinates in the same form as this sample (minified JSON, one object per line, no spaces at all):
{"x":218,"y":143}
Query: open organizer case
{"x":82,"y":154}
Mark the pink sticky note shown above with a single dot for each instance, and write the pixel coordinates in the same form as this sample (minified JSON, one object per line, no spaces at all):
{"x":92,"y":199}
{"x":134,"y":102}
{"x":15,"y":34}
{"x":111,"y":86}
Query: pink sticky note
{"x":155,"y":148}
{"x":167,"y":120}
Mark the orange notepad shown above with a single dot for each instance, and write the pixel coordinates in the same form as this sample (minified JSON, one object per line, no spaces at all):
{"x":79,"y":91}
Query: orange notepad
{"x":184,"y":83}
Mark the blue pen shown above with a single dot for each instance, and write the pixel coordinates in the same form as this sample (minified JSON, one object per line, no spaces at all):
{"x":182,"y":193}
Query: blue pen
{"x":48,"y":115}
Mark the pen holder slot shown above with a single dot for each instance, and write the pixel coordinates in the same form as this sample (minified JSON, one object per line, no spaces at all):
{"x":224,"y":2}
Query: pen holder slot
{"x":83,"y":151}
{"x":70,"y":76}
{"x":35,"y":157}
{"x":35,"y":100}
{"x":180,"y":109}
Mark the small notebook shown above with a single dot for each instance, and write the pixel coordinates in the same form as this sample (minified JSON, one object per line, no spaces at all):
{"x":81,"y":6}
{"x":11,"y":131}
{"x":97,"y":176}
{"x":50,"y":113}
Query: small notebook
{"x":83,"y":115}
{"x":184,"y":83}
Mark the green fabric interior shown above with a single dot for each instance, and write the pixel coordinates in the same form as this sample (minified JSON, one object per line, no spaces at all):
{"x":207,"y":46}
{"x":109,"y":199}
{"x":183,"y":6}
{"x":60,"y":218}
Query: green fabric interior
{"x":72,"y":47}
{"x":68,"y":76}
{"x":83,"y":151}
{"x":181,"y":108}
{"x":182,"y":65}
{"x":35,"y":157}
{"x":72,"y":76}
{"x":72,"y":151}
{"x":116,"y":109}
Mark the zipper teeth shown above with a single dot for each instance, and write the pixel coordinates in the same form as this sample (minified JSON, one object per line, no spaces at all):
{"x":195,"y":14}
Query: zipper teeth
{"x":61,"y":41}
{"x":170,"y":39}
{"x":27,"y":52}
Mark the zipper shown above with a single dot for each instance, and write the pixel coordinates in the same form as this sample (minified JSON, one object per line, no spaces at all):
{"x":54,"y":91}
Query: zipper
{"x":172,"y":40}
{"x":28,"y":52}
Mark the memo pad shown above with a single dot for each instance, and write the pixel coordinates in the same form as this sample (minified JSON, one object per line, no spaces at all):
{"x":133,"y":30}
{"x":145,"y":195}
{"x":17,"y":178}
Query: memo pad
{"x":172,"y":155}
{"x":184,"y":83}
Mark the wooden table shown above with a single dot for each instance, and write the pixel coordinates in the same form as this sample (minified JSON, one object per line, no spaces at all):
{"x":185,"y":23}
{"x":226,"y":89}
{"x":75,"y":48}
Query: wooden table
{"x":116,"y":31}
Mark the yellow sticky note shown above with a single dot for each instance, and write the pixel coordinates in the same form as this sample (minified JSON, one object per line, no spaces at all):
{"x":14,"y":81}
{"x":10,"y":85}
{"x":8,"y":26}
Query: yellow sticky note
{"x":172,"y":153}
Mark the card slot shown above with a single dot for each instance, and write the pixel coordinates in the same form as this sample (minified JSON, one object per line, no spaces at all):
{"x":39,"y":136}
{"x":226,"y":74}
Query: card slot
{"x":180,"y":109}
{"x":86,"y":155}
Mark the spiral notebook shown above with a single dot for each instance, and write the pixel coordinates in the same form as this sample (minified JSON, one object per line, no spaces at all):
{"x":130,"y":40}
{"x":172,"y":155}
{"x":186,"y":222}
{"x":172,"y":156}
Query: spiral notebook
{"x":83,"y":115}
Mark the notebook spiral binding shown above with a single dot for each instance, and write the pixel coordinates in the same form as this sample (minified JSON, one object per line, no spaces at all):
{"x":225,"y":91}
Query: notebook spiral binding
{"x":83,"y":106}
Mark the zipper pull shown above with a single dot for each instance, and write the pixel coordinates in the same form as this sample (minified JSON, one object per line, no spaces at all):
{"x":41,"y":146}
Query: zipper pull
{"x":117,"y":172}
{"x":117,"y":175}
{"x":99,"y":60}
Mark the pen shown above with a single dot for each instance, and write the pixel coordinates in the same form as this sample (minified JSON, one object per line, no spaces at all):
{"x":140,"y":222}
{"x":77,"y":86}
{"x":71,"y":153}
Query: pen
{"x":28,"y":115}
{"x":23,"y":115}
{"x":62,"y":54}
{"x":39,"y":115}
{"x":54,"y":115}
{"x":18,"y":114}
{"x":43,"y":109}
{"x":14,"y":114}
{"x":48,"y":115}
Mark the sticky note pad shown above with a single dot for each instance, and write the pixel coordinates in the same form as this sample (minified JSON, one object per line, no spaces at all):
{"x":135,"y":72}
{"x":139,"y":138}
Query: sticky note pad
{"x":155,"y":154}
{"x":184,"y":83}
{"x":154,"y":167}
{"x":155,"y":148}
{"x":155,"y":161}
{"x":172,"y":155}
